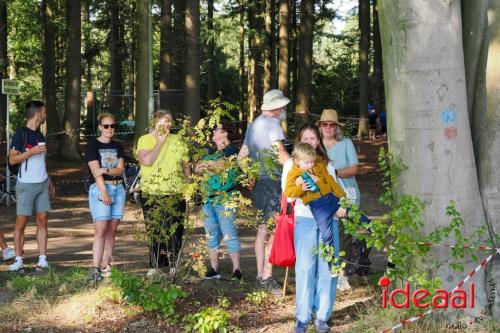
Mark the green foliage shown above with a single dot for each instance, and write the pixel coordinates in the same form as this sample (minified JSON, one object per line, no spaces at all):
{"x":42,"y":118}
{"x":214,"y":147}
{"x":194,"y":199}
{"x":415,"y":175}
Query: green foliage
{"x":256,"y":297}
{"x":327,"y":252}
{"x":54,"y":282}
{"x":152,"y":296}
{"x":207,"y":320}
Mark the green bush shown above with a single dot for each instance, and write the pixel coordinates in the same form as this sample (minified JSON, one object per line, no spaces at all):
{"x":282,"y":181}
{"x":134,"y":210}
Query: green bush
{"x":207,"y":320}
{"x":151,"y":296}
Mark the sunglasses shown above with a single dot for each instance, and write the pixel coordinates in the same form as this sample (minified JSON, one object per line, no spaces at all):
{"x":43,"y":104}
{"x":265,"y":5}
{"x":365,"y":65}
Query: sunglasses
{"x":106,"y":126}
{"x":331,"y":125}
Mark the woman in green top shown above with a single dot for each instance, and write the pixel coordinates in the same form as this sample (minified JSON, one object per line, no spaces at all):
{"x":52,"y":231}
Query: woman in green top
{"x":220,"y":184}
{"x":164,"y":172}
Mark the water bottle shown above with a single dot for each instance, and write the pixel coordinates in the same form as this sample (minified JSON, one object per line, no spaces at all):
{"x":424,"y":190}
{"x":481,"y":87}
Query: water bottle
{"x":309,"y":181}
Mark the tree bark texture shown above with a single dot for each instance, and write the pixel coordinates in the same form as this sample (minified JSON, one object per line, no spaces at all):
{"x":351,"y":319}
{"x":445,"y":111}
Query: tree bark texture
{"x":429,"y":124}
{"x":482,"y":53}
{"x":284,"y":45}
{"x":166,"y":53}
{"x":179,"y":56}
{"x":49,"y":67}
{"x":303,"y":106}
{"x":116,"y":58}
{"x":364,"y":49}
{"x":69,"y":149}
{"x":142,"y":70}
{"x":242,"y":83}
{"x":3,"y":63}
{"x":192,"y":68}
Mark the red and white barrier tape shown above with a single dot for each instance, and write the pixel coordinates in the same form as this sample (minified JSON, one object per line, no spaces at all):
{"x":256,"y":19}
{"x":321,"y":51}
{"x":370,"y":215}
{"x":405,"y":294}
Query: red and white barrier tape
{"x":483,"y":264}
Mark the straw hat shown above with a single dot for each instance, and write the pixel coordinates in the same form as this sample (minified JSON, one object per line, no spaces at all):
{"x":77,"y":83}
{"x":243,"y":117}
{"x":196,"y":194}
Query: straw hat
{"x":273,"y":100}
{"x":329,"y":115}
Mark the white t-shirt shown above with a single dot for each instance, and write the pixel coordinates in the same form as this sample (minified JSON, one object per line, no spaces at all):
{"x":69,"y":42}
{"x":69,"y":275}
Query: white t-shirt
{"x":301,"y":209}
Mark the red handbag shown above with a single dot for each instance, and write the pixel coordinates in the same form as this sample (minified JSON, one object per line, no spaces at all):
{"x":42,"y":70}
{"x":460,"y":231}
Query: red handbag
{"x":283,"y":249}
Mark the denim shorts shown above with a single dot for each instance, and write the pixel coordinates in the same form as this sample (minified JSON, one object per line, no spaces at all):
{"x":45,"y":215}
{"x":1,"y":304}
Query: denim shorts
{"x":219,"y":225}
{"x":103,"y":212}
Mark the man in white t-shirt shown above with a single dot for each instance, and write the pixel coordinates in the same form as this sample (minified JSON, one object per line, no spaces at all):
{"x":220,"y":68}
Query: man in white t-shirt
{"x":28,"y":150}
{"x":266,"y":135}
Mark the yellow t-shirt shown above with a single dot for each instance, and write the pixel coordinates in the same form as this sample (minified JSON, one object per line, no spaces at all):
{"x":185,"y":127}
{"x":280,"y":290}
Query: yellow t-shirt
{"x":165,"y":175}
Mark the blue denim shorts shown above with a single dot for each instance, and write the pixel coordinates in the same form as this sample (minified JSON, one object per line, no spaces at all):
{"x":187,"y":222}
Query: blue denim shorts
{"x":219,"y":225}
{"x":103,"y":212}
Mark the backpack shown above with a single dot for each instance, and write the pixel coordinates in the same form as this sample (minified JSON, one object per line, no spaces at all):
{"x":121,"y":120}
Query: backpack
{"x":14,"y":168}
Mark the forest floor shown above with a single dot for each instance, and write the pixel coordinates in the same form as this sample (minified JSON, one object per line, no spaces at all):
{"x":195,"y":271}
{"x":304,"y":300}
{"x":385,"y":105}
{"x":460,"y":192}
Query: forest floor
{"x":62,"y":302}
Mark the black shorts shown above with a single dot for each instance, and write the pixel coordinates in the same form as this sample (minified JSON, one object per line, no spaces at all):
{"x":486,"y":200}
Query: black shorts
{"x":266,"y":197}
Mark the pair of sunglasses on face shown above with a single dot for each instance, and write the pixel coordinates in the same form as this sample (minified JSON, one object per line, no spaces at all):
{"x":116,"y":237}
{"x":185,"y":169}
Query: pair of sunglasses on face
{"x":106,"y":126}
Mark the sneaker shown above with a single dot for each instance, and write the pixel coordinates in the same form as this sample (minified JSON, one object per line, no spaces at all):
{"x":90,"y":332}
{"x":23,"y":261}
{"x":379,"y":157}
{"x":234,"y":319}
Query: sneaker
{"x":17,"y":267}
{"x":152,"y":272}
{"x":106,"y":271}
{"x":300,"y":327}
{"x":212,"y":274}
{"x":271,"y":285}
{"x":321,"y":326}
{"x":236,"y":275}
{"x":343,"y":283}
{"x":8,"y":253}
{"x":94,"y":275}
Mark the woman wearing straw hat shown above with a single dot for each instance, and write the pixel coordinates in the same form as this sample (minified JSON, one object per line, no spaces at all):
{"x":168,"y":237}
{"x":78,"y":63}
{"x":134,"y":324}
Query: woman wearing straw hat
{"x":343,"y":155}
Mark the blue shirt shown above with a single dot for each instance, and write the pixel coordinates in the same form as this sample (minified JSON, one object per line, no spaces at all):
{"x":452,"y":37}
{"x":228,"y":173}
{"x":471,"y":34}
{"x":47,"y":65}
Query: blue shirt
{"x":344,"y":155}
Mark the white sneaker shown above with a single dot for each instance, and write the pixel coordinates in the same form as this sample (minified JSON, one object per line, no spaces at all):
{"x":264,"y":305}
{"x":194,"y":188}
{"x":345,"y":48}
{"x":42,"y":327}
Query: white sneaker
{"x":17,"y":266}
{"x":343,"y":283}
{"x":8,"y":253}
{"x":42,"y":266}
{"x":106,"y":271}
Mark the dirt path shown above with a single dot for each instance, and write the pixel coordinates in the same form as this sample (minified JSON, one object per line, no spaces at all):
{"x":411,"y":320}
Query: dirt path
{"x":71,"y":234}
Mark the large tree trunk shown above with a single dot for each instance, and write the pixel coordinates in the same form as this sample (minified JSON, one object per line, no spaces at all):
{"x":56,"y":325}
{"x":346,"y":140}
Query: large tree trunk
{"x":179,"y":55}
{"x":142,"y":70}
{"x":115,"y":43}
{"x":482,"y":51}
{"x":3,"y":63}
{"x":132,"y":62}
{"x":364,"y":48}
{"x":192,"y":68}
{"x":166,"y":53}
{"x":48,"y":66}
{"x":69,"y":149}
{"x":429,"y":125}
{"x":303,"y":106}
{"x":284,"y":45}
{"x":211,"y":88}
{"x":378,"y":82}
{"x":294,"y":54}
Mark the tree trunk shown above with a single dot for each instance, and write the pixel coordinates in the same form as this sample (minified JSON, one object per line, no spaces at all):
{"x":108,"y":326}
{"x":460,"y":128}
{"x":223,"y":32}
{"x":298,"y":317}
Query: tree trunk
{"x":116,"y":93}
{"x":284,"y":45}
{"x":268,"y":47}
{"x":69,"y":149}
{"x":3,"y":63}
{"x":179,"y":54}
{"x":48,"y":66}
{"x":254,"y":59}
{"x":132,"y":61}
{"x":364,"y":48}
{"x":211,"y":88}
{"x":378,"y":82}
{"x":88,"y":55}
{"x":192,"y":68}
{"x":303,"y":106}
{"x":142,"y":70}
{"x":481,"y":53}
{"x":429,"y":125}
{"x":166,"y":53}
{"x":294,"y":59}
{"x":241,"y":113}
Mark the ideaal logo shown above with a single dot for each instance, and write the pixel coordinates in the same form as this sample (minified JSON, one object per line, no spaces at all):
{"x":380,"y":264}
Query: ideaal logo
{"x":441,"y":299}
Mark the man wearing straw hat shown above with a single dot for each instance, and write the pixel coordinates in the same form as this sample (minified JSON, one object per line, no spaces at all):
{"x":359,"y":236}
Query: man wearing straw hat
{"x":265,"y":134}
